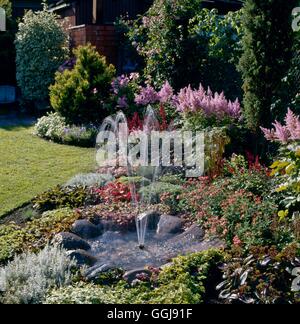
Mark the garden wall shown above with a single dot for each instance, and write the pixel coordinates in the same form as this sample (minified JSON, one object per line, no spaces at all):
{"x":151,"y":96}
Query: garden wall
{"x":103,"y":37}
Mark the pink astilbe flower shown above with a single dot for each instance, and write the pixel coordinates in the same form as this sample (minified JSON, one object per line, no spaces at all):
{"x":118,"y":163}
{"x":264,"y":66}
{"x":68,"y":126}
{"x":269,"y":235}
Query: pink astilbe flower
{"x":284,"y":133}
{"x":147,"y":96}
{"x":190,"y":100}
{"x":166,"y":93}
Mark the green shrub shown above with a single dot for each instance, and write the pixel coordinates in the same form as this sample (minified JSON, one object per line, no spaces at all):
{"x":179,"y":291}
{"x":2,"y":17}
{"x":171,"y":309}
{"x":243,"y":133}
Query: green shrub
{"x":237,"y":216}
{"x":41,"y":46}
{"x":90,"y":180}
{"x":251,"y":178}
{"x":183,"y":43}
{"x":267,"y":53}
{"x":8,"y":52}
{"x":50,"y":127}
{"x":151,"y":194}
{"x":263,"y":277}
{"x":54,"y":127}
{"x":172,"y":179}
{"x":59,"y":197}
{"x":79,"y":94}
{"x":186,"y":281}
{"x":137,"y":180}
{"x":35,"y":234}
{"x":27,"y":279}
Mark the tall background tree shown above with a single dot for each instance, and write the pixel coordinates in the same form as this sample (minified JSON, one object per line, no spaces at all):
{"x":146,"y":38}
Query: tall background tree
{"x":7,"y":48}
{"x":41,"y":47}
{"x":266,"y":59}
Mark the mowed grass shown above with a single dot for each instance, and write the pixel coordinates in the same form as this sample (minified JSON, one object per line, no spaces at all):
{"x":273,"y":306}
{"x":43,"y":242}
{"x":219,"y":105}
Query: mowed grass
{"x":30,"y":165}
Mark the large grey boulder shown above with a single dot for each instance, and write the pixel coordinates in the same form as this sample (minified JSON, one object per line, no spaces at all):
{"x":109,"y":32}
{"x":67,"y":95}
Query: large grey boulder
{"x":85,"y":229}
{"x":71,"y":241}
{"x":169,"y":225}
{"x":82,"y":257}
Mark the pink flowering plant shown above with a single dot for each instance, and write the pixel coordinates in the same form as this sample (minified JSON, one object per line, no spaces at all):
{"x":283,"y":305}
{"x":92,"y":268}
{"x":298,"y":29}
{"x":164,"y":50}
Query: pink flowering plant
{"x":165,"y":98}
{"x":201,"y":108}
{"x":123,"y":90}
{"x":287,"y":168}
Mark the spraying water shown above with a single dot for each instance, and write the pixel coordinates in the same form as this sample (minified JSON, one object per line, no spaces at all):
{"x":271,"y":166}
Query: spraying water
{"x":118,"y":127}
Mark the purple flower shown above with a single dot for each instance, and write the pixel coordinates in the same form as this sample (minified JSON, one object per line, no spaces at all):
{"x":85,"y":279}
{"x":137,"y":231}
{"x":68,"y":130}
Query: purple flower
{"x":122,"y":102}
{"x":166,"y":93}
{"x":284,"y":133}
{"x":120,"y":83}
{"x":190,"y":100}
{"x":147,"y":96}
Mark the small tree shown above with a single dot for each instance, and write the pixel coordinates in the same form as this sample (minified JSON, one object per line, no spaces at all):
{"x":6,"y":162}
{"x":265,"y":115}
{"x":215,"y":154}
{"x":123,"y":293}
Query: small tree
{"x":267,"y":52}
{"x":7,"y":49}
{"x":79,"y":94}
{"x":41,"y":47}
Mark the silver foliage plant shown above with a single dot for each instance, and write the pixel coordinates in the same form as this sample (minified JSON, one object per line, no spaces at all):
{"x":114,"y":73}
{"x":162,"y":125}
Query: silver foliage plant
{"x":90,"y":180}
{"x":28,"y":278}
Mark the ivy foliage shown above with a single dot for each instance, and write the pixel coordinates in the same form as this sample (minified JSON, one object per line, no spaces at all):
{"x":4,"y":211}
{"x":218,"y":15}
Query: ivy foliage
{"x":41,"y":47}
{"x":7,"y":52}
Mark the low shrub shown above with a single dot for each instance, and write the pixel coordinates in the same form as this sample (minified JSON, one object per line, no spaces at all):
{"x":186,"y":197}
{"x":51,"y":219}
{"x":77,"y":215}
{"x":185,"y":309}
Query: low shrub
{"x":82,"y":136}
{"x":186,"y":281}
{"x":152,"y":193}
{"x":236,"y":215}
{"x":54,"y":127}
{"x":50,"y":127}
{"x":90,"y":180}
{"x":136,"y":180}
{"x":28,"y":278}
{"x":286,"y":168}
{"x":34,"y":235}
{"x":60,"y":197}
{"x":79,"y":94}
{"x":115,"y":192}
{"x":250,"y":176}
{"x":264,"y":277}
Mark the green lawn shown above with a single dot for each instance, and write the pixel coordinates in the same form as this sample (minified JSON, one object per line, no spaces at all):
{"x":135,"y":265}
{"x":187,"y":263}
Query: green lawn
{"x":30,"y":165}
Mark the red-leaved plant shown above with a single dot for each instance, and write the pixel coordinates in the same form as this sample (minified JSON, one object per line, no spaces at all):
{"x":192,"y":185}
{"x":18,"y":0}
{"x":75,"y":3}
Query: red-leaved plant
{"x":115,"y":192}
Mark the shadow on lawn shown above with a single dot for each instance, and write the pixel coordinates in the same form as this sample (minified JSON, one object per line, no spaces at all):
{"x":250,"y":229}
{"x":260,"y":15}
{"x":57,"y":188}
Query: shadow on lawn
{"x":11,"y":122}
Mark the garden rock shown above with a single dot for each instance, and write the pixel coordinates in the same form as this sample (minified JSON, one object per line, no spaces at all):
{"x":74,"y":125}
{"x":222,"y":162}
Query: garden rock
{"x":85,"y":229}
{"x":92,"y":273}
{"x":153,"y":218}
{"x":82,"y":257}
{"x":169,"y":225}
{"x":71,"y":241}
{"x":111,"y":237}
{"x":131,"y":276}
{"x":195,"y":232}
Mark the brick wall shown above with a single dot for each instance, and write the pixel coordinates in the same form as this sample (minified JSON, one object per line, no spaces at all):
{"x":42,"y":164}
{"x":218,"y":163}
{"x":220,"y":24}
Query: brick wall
{"x":103,"y":37}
